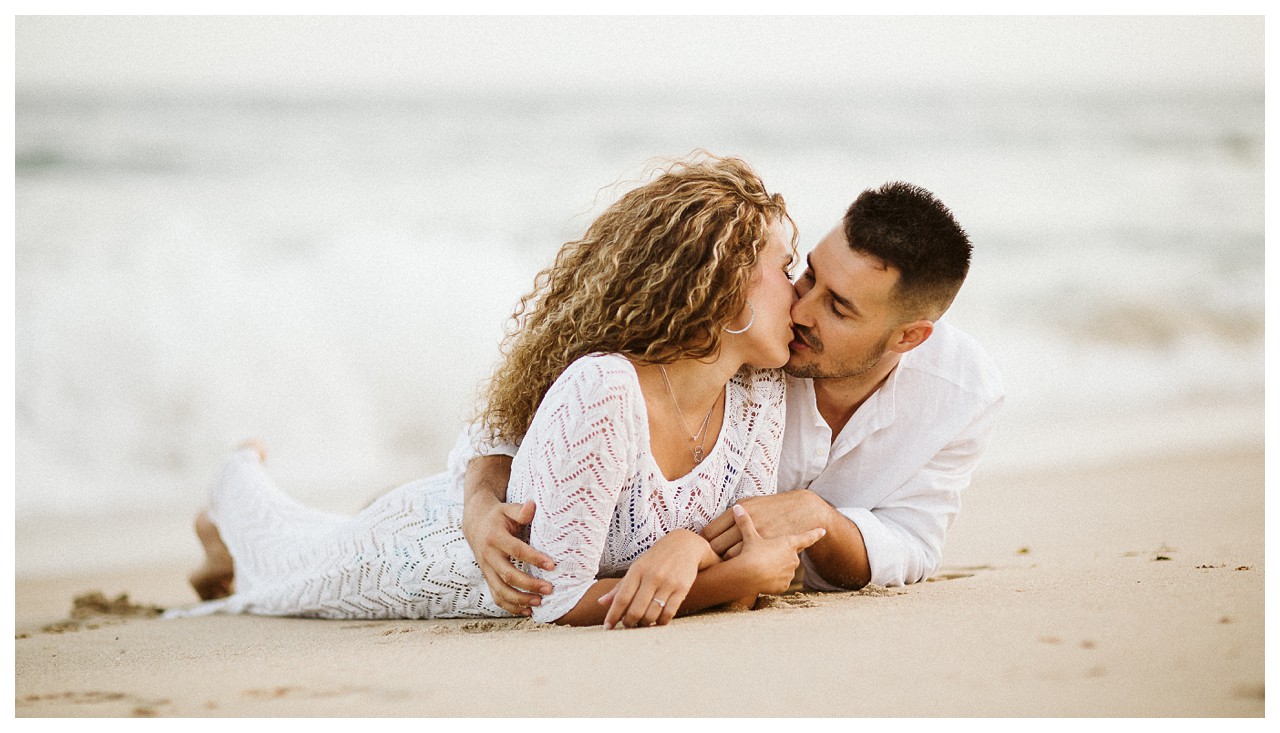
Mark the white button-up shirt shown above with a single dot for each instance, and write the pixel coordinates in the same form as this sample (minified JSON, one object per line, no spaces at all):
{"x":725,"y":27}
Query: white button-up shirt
{"x":897,"y":468}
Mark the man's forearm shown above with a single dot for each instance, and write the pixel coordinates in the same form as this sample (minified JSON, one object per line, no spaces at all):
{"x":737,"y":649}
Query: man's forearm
{"x":721,"y":583}
{"x":841,"y":556}
{"x":486,"y":478}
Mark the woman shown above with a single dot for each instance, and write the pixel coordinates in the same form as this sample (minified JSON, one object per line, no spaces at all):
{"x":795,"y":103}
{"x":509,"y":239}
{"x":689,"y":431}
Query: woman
{"x":642,"y":387}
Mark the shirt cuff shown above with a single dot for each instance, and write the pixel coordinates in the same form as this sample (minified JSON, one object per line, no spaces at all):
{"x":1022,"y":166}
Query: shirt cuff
{"x":483,"y":445}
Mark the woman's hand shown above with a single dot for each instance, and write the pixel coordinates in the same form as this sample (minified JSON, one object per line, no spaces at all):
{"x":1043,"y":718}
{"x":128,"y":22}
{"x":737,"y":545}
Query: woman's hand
{"x":656,"y":584}
{"x":772,"y":561}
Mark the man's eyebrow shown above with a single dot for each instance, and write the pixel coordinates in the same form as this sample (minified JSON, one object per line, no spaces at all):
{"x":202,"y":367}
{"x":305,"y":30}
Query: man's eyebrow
{"x":839,"y":299}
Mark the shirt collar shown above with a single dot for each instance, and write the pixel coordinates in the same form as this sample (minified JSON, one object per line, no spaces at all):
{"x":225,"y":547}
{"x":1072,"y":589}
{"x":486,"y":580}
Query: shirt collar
{"x":877,"y":412}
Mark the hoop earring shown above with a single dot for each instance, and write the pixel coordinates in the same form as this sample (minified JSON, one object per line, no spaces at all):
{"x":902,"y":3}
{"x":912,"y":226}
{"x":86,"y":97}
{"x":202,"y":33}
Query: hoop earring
{"x":750,"y":323}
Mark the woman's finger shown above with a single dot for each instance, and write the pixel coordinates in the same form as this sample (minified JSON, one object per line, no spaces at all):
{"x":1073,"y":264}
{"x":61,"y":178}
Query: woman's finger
{"x":634,"y":612}
{"x":726,"y":539}
{"x":671,"y":607}
{"x":715,"y":530}
{"x":649,"y":604}
{"x":745,"y":525}
{"x":623,"y":593}
{"x":805,"y":540}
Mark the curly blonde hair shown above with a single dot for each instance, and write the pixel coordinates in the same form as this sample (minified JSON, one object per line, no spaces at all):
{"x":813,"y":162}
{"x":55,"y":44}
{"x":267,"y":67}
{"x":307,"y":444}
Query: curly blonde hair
{"x":655,"y":278}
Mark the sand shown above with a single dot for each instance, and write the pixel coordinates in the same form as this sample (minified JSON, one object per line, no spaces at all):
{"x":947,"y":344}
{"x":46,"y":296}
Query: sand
{"x":1128,"y":590}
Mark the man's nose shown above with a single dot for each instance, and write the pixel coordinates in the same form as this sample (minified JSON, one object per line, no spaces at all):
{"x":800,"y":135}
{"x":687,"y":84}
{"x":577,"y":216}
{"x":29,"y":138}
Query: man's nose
{"x":800,"y":310}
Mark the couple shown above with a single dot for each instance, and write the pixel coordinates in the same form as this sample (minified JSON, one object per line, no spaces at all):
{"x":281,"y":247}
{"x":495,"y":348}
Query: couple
{"x":644,"y":390}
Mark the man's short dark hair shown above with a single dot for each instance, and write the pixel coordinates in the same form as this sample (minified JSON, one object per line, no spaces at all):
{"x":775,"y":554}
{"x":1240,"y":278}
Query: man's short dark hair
{"x":909,"y":228}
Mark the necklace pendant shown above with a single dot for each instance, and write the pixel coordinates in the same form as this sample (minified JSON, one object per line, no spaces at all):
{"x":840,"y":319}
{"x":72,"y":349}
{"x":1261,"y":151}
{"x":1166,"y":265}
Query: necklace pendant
{"x":697,"y":454}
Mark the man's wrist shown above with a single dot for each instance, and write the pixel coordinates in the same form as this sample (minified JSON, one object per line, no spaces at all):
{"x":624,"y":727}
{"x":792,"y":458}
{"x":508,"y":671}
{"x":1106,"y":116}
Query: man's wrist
{"x":479,"y":498}
{"x":840,"y":557}
{"x":818,"y":512}
{"x":476,"y":507}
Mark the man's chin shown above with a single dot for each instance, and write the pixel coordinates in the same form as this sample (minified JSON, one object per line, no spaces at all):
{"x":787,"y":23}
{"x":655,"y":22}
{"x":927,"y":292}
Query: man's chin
{"x":796,"y":367}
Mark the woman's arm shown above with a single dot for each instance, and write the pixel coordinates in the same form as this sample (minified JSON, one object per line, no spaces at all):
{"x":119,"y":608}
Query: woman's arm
{"x":682,"y":572}
{"x":574,"y":462}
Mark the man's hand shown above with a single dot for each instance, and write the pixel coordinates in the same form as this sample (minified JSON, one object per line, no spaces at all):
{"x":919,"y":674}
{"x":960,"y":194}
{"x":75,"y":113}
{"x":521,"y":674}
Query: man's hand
{"x":492,"y":528}
{"x":776,"y":515}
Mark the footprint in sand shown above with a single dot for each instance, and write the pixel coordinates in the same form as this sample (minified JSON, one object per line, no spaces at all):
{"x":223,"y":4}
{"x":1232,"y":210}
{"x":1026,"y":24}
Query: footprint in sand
{"x":142,"y":707}
{"x":958,"y":573}
{"x":283,"y":691}
{"x":948,"y":576}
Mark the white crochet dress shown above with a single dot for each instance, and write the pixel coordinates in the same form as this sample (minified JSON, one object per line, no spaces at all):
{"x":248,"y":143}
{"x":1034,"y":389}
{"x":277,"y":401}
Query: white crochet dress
{"x":601,"y":502}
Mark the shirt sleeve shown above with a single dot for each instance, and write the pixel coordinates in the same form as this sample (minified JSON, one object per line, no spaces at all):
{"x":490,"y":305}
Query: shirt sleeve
{"x":767,"y":412}
{"x":574,"y":463}
{"x":905,"y":533}
{"x":471,"y":444}
{"x":481,"y":444}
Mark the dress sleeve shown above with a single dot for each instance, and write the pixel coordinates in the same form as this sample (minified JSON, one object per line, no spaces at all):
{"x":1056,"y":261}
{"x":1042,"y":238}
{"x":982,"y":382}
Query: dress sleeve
{"x":765,"y":417}
{"x":573,"y":463}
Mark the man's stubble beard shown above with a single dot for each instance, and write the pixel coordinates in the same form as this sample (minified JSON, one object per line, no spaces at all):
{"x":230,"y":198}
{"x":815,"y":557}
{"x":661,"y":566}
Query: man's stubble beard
{"x":865,"y":363}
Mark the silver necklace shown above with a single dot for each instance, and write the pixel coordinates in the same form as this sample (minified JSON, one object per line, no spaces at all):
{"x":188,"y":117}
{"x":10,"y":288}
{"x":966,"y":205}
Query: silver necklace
{"x":700,"y":437}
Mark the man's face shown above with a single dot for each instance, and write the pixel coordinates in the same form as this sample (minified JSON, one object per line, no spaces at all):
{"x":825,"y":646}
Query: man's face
{"x":844,"y":317}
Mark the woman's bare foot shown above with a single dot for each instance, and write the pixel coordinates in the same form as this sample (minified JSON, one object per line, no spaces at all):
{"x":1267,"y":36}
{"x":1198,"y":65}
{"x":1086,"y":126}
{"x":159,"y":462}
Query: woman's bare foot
{"x":216,"y":578}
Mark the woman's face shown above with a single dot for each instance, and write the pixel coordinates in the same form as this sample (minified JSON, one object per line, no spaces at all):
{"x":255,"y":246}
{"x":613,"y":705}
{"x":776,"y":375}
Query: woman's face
{"x":771,"y":294}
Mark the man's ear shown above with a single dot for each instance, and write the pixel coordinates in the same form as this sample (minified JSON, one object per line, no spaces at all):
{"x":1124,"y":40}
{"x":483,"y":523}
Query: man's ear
{"x":910,"y":335}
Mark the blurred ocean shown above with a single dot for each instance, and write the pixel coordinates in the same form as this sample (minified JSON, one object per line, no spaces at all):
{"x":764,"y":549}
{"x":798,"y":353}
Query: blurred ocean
{"x":333,"y":276}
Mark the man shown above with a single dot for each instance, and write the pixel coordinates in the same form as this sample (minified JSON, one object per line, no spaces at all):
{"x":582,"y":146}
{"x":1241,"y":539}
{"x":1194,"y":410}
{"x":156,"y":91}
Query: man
{"x":888,"y":412}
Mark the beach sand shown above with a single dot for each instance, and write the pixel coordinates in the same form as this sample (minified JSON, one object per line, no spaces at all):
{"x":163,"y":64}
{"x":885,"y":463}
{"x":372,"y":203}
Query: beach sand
{"x":1129,"y":590}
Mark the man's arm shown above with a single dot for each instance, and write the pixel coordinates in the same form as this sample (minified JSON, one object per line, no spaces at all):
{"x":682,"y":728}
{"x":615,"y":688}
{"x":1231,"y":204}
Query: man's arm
{"x":491,"y":528}
{"x":700,"y":579}
{"x":903,"y":535}
{"x":898,"y":541}
{"x":840,"y":556}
